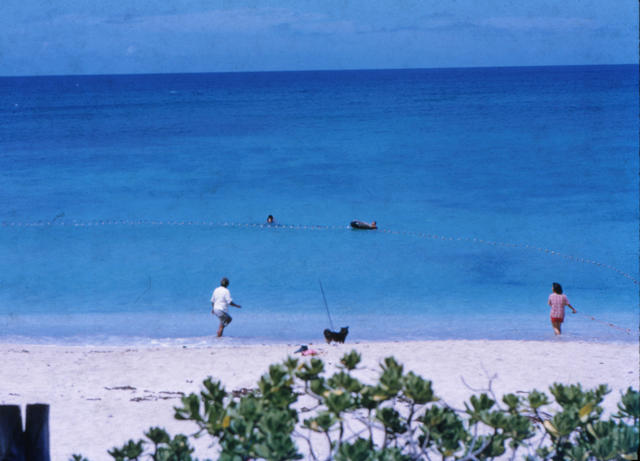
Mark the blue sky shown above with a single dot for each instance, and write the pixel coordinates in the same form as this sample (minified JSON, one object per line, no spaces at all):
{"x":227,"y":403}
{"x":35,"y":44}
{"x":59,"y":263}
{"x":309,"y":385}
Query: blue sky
{"x":44,"y":37}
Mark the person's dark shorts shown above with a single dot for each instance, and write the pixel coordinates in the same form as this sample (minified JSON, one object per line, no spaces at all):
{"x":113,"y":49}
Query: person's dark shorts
{"x":223,"y":316}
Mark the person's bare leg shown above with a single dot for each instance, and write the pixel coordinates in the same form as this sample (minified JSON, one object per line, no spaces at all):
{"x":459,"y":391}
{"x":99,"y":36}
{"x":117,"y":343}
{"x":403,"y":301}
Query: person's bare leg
{"x":223,"y":323}
{"x":556,"y":328}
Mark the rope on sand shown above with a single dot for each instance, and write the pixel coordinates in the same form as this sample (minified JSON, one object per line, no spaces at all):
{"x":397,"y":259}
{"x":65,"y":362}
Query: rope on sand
{"x":145,"y":222}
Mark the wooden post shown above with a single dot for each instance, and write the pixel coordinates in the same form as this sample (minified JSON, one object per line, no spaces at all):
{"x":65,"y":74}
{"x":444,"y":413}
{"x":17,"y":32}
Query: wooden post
{"x":12,"y":446}
{"x":36,"y":434}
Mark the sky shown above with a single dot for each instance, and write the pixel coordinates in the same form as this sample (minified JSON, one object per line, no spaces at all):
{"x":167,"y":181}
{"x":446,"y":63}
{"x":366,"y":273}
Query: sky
{"x":45,"y":37}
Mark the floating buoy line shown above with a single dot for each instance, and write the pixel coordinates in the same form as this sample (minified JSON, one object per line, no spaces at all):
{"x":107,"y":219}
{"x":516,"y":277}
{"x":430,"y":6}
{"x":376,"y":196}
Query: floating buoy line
{"x":146,"y":222}
{"x":609,"y":324}
{"x":272,"y":226}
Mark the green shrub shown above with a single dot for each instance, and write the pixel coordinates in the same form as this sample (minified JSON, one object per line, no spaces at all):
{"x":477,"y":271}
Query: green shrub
{"x":397,"y":418}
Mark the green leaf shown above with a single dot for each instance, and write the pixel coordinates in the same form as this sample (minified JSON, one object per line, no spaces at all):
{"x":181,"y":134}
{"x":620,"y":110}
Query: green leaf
{"x":391,"y":420}
{"x":213,"y":391}
{"x":627,"y":440}
{"x":494,"y":419}
{"x":318,"y":387}
{"x":512,"y":401}
{"x":351,"y":360}
{"x":321,"y":423}
{"x":629,"y":405}
{"x":362,"y":450}
{"x":578,"y":453}
{"x":291,"y":363}
{"x":565,"y":422}
{"x":76,"y":457}
{"x":310,"y":370}
{"x":339,"y":401}
{"x":130,"y":450}
{"x":484,"y":402}
{"x":443,"y":428}
{"x":537,"y":399}
{"x":157,"y":435}
{"x":417,"y":389}
{"x":345,"y":382}
{"x":390,"y":381}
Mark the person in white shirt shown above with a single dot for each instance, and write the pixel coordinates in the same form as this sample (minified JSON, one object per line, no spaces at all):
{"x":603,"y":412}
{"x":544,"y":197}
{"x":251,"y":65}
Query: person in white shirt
{"x":220,"y":302}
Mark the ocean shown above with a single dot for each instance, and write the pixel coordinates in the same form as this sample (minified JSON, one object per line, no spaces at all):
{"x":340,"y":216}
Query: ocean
{"x":125,"y":199}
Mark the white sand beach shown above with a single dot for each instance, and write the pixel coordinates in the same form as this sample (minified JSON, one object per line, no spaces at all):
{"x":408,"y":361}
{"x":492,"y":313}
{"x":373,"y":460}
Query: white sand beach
{"x":100,"y":397}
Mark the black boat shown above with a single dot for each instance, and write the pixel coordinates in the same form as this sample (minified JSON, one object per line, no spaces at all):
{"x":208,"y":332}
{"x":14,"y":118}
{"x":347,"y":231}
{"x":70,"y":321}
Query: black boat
{"x":363,"y":225}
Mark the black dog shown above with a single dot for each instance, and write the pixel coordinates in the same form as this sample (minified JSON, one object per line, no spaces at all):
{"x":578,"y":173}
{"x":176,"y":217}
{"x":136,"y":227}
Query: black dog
{"x":337,"y":336}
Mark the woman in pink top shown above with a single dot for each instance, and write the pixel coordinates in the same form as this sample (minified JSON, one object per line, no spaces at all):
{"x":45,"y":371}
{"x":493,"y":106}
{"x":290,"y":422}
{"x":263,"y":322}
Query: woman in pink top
{"x":557,"y":301}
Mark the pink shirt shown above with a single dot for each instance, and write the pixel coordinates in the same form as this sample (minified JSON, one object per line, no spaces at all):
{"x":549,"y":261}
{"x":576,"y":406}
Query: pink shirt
{"x":557,"y":303}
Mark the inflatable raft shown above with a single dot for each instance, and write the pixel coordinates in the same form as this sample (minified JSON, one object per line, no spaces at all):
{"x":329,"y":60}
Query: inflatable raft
{"x":363,"y":225}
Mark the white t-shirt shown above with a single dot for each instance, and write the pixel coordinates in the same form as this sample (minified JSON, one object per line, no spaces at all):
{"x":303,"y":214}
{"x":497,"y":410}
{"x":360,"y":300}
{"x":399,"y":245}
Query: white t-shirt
{"x":221,"y":298}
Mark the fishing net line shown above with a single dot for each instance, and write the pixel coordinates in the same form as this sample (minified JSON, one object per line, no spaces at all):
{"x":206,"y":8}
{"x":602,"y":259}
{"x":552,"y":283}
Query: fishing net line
{"x":305,"y":227}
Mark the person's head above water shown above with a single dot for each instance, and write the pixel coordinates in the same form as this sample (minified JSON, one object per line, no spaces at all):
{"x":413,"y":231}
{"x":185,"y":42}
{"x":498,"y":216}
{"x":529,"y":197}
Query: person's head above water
{"x":224,"y":282}
{"x":557,"y":288}
{"x":374,"y":225}
{"x":270,"y":219}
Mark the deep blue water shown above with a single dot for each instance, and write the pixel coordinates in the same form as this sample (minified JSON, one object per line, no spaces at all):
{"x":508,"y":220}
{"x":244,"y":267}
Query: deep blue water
{"x":97,"y":173}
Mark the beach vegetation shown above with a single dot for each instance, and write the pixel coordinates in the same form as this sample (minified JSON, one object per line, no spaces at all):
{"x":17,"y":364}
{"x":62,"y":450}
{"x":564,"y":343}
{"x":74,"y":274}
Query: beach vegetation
{"x":397,"y":418}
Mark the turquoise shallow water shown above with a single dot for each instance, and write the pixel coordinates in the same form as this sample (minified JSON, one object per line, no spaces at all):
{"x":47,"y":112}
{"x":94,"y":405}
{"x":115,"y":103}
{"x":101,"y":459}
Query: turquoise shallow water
{"x":126,"y":198}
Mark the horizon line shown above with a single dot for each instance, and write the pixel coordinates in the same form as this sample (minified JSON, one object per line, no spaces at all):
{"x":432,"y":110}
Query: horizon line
{"x":314,"y":70}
